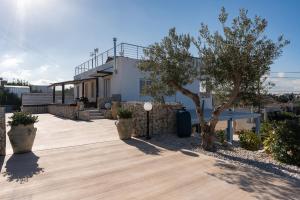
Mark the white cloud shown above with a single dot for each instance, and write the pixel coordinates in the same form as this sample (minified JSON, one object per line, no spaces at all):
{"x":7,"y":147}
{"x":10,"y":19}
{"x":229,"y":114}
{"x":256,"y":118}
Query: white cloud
{"x":8,"y":61}
{"x":283,"y":85}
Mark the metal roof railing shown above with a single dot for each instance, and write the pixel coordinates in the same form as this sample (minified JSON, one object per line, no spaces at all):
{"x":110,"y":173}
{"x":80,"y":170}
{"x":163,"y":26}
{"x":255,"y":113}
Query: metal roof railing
{"x":123,"y":49}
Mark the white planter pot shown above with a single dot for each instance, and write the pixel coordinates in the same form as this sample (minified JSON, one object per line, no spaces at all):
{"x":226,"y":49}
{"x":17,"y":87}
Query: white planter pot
{"x":125,"y":128}
{"x":22,"y":137}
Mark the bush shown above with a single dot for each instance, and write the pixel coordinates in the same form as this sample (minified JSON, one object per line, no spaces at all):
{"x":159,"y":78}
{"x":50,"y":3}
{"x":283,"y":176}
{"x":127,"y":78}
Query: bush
{"x":281,"y":116}
{"x":284,"y":143}
{"x":22,"y":118}
{"x":124,"y":113}
{"x":249,"y":140}
{"x":221,"y":136}
{"x":267,"y":132}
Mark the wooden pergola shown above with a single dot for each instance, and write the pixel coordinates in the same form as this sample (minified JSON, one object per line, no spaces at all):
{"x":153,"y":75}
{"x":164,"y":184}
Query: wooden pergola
{"x":62,"y":84}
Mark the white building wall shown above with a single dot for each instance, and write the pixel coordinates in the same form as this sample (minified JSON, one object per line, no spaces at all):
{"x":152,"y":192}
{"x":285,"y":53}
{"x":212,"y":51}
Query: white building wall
{"x":126,"y":82}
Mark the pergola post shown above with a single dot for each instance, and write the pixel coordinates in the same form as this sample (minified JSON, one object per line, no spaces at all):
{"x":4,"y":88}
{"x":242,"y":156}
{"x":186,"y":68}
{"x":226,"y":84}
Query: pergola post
{"x":257,"y":125}
{"x":82,"y":90}
{"x":63,"y":94}
{"x":53,"y":94}
{"x":97,"y":90}
{"x":229,"y":130}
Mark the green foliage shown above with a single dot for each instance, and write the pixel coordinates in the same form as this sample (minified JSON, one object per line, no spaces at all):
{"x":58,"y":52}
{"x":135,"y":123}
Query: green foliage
{"x":267,"y":132}
{"x":124,"y":113}
{"x":238,"y":58}
{"x":281,"y":116}
{"x":22,"y":118}
{"x":284,"y":142}
{"x":249,"y":140}
{"x":167,"y":62}
{"x":19,"y":82}
{"x":235,"y":60}
{"x":221,"y":136}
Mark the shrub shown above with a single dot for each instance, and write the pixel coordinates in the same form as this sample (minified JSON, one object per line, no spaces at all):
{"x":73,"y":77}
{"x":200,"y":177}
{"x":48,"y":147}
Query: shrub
{"x":124,"y":113}
{"x":284,"y":144}
{"x":22,"y":118}
{"x":249,"y":140}
{"x":281,"y":116}
{"x":221,"y":136}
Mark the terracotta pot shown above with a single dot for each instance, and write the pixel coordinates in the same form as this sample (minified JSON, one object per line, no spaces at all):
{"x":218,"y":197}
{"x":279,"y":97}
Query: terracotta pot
{"x":114,"y":109}
{"x":22,"y":137}
{"x":125,"y":128}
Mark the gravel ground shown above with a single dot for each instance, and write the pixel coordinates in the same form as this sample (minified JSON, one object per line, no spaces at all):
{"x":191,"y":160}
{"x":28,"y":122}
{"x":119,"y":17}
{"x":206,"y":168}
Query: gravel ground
{"x":236,"y":155}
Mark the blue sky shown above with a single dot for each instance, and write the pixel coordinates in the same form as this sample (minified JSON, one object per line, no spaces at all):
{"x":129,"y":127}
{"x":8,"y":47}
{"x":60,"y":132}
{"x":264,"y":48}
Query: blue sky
{"x":43,"y":40}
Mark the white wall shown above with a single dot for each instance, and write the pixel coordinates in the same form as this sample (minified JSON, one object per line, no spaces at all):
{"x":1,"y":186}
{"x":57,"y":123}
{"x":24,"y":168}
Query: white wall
{"x":127,"y":83}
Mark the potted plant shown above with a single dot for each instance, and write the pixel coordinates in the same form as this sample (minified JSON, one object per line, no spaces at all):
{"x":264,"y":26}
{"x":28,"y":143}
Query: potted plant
{"x":22,"y":132}
{"x":124,"y":124}
{"x":83,"y":103}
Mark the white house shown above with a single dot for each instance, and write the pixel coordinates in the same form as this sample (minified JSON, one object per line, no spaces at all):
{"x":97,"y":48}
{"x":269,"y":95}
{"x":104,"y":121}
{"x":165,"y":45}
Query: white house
{"x":114,"y":74}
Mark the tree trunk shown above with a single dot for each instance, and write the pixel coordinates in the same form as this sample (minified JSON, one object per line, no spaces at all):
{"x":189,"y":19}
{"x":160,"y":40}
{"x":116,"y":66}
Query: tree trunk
{"x":207,"y":132}
{"x":207,"y":138}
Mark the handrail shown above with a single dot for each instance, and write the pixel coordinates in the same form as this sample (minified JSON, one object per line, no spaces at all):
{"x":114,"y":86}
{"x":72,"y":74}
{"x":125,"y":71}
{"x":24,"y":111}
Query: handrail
{"x":123,"y":49}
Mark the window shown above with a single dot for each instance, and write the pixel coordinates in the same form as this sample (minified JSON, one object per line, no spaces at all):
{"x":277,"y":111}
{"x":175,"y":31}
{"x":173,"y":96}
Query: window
{"x":143,"y":84}
{"x":93,"y":90}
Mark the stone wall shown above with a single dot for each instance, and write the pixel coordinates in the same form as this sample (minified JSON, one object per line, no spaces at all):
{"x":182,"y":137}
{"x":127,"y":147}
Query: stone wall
{"x":35,"y":109}
{"x":162,"y":117}
{"x":2,"y":131}
{"x":63,"y":110}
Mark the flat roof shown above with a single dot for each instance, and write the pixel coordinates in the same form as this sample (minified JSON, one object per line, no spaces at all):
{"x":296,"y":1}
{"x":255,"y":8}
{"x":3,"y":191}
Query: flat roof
{"x":71,"y":82}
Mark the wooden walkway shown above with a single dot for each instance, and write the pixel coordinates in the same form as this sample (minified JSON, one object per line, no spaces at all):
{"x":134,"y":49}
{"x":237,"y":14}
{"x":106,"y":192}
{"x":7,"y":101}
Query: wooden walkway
{"x":135,"y":169}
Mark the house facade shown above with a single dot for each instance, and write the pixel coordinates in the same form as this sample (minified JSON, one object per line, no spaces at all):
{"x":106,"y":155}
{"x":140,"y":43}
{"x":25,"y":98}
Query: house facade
{"x":114,"y":75}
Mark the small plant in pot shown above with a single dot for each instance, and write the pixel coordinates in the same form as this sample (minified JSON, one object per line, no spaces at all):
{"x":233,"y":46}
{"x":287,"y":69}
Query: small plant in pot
{"x":22,"y":132}
{"x":124,"y":124}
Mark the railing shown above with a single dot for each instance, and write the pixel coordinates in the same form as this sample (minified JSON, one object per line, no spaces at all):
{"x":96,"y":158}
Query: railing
{"x":123,"y":49}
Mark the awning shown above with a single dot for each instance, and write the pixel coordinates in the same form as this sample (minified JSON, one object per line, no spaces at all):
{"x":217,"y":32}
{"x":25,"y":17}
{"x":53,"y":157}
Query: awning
{"x":71,"y":82}
{"x":103,"y":73}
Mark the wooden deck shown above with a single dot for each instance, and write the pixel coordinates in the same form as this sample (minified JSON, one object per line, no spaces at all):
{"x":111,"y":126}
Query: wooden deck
{"x":85,"y":160}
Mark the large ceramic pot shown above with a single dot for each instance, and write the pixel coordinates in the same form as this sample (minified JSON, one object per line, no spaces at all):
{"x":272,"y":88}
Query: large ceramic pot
{"x":114,"y":109}
{"x":125,"y":128}
{"x":22,"y":137}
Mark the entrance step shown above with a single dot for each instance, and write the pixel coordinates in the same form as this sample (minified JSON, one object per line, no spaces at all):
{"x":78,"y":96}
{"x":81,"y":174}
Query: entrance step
{"x":96,"y":114}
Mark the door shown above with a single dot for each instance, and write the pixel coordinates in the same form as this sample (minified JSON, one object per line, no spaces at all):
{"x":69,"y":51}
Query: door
{"x":106,"y":88}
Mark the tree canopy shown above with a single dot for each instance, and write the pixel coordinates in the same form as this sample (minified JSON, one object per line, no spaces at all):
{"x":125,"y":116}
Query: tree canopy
{"x":233,"y":63}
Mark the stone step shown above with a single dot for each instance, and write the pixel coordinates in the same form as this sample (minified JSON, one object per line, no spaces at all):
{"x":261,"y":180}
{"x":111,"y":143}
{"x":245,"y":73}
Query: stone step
{"x":97,"y":117}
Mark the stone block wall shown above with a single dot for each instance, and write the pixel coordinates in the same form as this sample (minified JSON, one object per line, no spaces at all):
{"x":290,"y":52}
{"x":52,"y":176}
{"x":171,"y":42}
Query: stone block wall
{"x":63,"y":110}
{"x":35,"y":109}
{"x":162,"y":117}
{"x":2,"y":132}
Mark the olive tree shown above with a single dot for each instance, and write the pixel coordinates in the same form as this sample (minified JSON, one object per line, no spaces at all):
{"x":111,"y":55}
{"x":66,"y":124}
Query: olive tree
{"x":233,"y":62}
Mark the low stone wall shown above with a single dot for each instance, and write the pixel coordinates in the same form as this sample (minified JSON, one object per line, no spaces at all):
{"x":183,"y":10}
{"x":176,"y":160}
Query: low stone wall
{"x":162,"y":118}
{"x":63,"y":110}
{"x":2,"y":132}
{"x":35,"y":109}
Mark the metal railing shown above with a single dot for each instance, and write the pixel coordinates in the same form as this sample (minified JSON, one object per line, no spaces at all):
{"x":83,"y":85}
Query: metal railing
{"x":123,"y":49}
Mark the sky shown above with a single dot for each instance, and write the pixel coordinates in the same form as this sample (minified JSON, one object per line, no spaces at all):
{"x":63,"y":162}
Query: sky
{"x":43,"y":40}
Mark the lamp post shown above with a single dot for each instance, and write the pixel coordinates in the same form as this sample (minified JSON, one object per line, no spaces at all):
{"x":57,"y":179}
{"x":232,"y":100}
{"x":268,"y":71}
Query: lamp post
{"x":148,"y":108}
